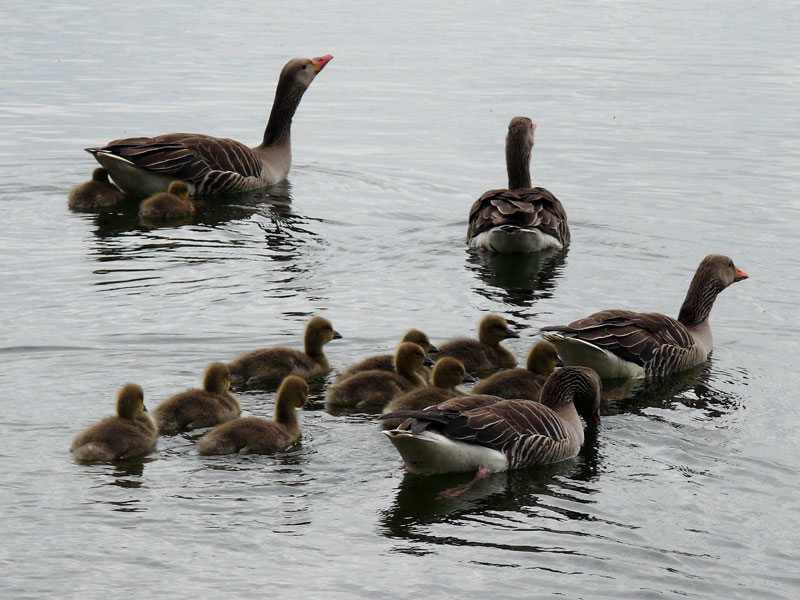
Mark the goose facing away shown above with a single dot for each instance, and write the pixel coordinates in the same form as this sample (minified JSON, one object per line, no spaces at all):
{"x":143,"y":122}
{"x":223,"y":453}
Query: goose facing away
{"x":372,"y":390}
{"x":142,"y":166}
{"x":622,"y":343}
{"x":522,"y":383}
{"x":172,"y":204}
{"x":520,"y":218}
{"x":273,"y":365}
{"x":447,"y":374}
{"x":493,"y":434}
{"x":195,"y":409}
{"x":99,"y":192}
{"x":485,"y":353}
{"x":385,"y":362}
{"x":131,"y":433}
{"x":260,"y":436}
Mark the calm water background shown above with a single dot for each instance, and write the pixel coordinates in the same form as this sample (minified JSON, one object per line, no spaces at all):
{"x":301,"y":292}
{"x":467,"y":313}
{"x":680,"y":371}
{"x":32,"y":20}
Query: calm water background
{"x":667,"y":132}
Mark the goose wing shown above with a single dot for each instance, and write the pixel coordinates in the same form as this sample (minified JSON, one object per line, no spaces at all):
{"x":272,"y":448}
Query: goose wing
{"x":525,"y":207}
{"x":190,"y":157}
{"x":640,"y":338}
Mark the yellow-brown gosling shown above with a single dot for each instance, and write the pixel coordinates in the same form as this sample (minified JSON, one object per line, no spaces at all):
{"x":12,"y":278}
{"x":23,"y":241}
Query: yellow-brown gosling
{"x":485,"y":353}
{"x":260,"y":436}
{"x":195,"y":409}
{"x":447,"y":374}
{"x":273,"y":365}
{"x":172,"y":204}
{"x":372,"y":390}
{"x":385,"y":362}
{"x":524,"y":383}
{"x":131,"y":433}
{"x":94,"y":194}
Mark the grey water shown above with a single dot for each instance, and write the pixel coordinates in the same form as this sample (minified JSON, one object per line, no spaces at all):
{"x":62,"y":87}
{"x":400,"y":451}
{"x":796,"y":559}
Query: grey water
{"x":668,"y":131}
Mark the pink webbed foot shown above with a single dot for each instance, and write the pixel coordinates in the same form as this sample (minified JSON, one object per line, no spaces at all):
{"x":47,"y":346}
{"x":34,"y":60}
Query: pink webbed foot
{"x":456,"y":491}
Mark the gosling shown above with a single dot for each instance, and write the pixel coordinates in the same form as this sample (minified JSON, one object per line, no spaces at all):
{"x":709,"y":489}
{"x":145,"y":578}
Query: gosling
{"x":485,"y":353}
{"x":527,"y":383}
{"x":385,"y":362}
{"x":94,"y":194}
{"x":172,"y":204}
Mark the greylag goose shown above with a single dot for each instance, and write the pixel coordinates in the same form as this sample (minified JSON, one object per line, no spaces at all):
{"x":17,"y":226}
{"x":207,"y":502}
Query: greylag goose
{"x":195,"y":409}
{"x":485,"y":353}
{"x":131,"y":433}
{"x":172,"y":204}
{"x":447,"y":374}
{"x":522,"y":383}
{"x":621,"y":343}
{"x":273,"y":365}
{"x":385,"y":362}
{"x":372,"y":390}
{"x":521,"y":218}
{"x":142,"y":166}
{"x":260,"y":436}
{"x":96,"y":193}
{"x":487,"y":435}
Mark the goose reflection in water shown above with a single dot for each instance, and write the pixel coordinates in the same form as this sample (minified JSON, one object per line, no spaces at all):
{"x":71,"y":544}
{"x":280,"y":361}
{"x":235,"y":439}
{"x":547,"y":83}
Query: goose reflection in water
{"x":518,"y":279}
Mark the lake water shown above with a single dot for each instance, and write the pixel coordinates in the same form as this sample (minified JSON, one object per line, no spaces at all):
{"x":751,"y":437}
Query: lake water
{"x":668,"y":132}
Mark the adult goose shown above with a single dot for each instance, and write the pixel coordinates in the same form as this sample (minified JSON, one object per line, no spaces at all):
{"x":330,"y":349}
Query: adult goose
{"x":524,"y":383}
{"x":129,"y":434}
{"x":520,"y":218}
{"x":493,"y":434}
{"x":142,"y":166}
{"x":485,"y":353}
{"x":272,"y":365}
{"x":621,"y":343}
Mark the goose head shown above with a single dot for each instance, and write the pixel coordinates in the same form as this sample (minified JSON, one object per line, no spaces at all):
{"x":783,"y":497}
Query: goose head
{"x":493,"y":329}
{"x":542,"y":359}
{"x":714,"y":274}
{"x":449,"y":372}
{"x":298,"y":73}
{"x":130,"y":401}
{"x":179,"y":189}
{"x":408,"y":358}
{"x":419,"y":338}
{"x":319,"y":331}
{"x":293,"y":392}
{"x":217,"y":378}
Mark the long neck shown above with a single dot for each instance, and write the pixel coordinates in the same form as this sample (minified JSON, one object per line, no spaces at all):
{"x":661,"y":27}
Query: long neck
{"x":286,"y":415}
{"x":564,"y":387}
{"x":699,"y":299}
{"x":518,"y":159}
{"x":280,"y":119}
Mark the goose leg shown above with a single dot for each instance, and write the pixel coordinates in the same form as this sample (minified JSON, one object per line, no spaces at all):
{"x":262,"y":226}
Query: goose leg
{"x":456,"y":491}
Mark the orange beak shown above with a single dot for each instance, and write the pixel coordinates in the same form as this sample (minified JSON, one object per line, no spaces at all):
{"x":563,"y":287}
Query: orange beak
{"x":321,"y":61}
{"x":739,"y":274}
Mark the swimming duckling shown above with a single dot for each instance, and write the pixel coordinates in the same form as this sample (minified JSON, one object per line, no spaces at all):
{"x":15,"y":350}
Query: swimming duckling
{"x":524,"y":383}
{"x":485,"y":353}
{"x":195,"y":409}
{"x":372,"y":390}
{"x":172,"y":204}
{"x":94,"y":194}
{"x":447,"y":374}
{"x":385,"y":362}
{"x":259,"y":436}
{"x":131,"y":433}
{"x":273,"y":365}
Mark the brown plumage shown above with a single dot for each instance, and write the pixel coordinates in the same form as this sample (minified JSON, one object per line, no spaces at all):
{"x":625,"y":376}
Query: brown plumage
{"x":485,"y":353}
{"x":622,"y":343}
{"x":385,"y":362}
{"x":144,"y":165}
{"x":195,"y":409}
{"x":522,"y":383}
{"x":513,"y":219}
{"x":273,"y":365}
{"x":131,"y":433}
{"x":99,"y":192}
{"x":447,"y":374}
{"x":259,"y":436}
{"x":172,"y":204}
{"x":372,"y":390}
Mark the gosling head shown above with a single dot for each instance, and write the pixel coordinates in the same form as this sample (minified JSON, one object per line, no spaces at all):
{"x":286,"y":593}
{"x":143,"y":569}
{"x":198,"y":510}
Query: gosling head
{"x":409,"y":357}
{"x":130,"y":401}
{"x":493,"y":329}
{"x":294,"y":390}
{"x":179,"y":189}
{"x":320,"y":331}
{"x":449,"y":372}
{"x":419,"y":338}
{"x":542,"y":359}
{"x":100,"y":175}
{"x":217,"y":378}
